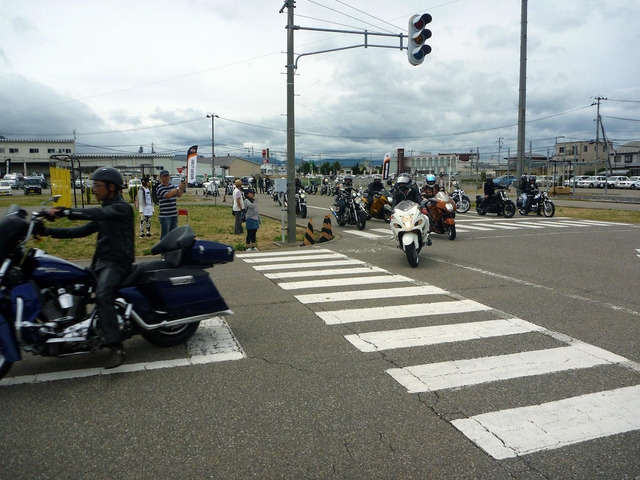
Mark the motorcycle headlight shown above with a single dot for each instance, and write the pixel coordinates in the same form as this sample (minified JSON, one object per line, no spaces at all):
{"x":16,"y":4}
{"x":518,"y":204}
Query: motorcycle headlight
{"x":407,"y":222}
{"x":449,"y":208}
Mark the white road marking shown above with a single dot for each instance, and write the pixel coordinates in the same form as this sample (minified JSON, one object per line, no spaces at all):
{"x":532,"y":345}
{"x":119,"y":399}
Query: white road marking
{"x":369,"y":294}
{"x":285,"y":253}
{"x":362,"y":234}
{"x":525,"y":430}
{"x":422,"y":336}
{"x":384,"y":231}
{"x":212,"y":342}
{"x":343,"y":282}
{"x":462,"y":373}
{"x":325,"y":272}
{"x":323,"y":263}
{"x":505,"y":227}
{"x":414,"y":310}
{"x":475,"y":227}
{"x":294,"y":258}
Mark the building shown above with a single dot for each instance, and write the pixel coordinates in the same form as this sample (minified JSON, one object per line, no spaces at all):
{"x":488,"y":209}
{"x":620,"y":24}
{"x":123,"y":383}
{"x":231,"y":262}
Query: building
{"x":584,"y":156}
{"x":626,"y":159}
{"x":423,"y":163}
{"x":31,"y":156}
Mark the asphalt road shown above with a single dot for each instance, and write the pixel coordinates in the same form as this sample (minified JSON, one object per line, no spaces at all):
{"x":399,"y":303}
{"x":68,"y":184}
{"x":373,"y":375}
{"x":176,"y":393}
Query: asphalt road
{"x":549,"y":390}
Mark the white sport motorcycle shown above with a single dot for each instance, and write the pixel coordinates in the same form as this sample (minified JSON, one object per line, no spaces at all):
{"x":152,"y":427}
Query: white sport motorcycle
{"x":410,"y":226}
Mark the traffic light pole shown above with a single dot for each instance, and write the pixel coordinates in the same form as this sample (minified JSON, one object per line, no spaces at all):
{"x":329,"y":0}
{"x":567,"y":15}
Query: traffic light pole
{"x":291,"y":68}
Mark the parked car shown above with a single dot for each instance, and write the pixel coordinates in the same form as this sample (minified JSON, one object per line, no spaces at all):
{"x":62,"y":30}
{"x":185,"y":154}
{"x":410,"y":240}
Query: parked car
{"x":15,"y":179}
{"x":574,"y":180}
{"x":631,"y":182}
{"x":5,"y":187}
{"x":593,"y":182}
{"x":613,"y":182}
{"x":32,"y":185}
{"x":505,"y":180}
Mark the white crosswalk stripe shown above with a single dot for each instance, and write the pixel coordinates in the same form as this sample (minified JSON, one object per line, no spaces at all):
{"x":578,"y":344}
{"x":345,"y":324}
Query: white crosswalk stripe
{"x":502,"y":434}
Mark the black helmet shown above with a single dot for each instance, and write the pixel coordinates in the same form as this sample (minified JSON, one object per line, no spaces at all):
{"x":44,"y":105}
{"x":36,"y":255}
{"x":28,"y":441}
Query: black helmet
{"x":403,"y":180}
{"x":108,"y":175}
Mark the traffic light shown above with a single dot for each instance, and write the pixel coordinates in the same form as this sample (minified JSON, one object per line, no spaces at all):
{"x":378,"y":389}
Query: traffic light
{"x":418,"y":34}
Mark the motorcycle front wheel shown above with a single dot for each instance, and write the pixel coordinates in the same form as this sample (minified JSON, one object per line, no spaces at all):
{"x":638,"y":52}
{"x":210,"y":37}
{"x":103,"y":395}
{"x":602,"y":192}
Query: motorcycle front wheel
{"x":362,"y":220}
{"x":387,"y":216}
{"x":548,"y":208}
{"x":464,"y":204}
{"x":508,"y":209}
{"x":303,"y":211}
{"x":450,"y":232}
{"x":171,"y":336}
{"x":4,"y":366}
{"x":412,"y":255}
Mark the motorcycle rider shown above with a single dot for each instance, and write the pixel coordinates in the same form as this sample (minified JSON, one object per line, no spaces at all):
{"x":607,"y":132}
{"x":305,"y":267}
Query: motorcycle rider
{"x":343,"y":194}
{"x":373,"y":188}
{"x":525,"y":192}
{"x":405,"y":190}
{"x":431,"y":187}
{"x":533,"y":191}
{"x":114,"y":253}
{"x":489,"y":192}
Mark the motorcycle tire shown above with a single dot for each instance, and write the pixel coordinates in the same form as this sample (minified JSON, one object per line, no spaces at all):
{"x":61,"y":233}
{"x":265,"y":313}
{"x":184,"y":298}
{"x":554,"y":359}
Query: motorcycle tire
{"x":412,"y":255}
{"x":387,"y":216}
{"x":522,"y":211}
{"x":451,"y":232}
{"x":4,"y":366}
{"x":303,"y":211}
{"x":172,"y":336}
{"x":362,"y":220}
{"x":481,"y":211}
{"x":548,"y":208}
{"x":463,"y":205}
{"x":508,"y":209}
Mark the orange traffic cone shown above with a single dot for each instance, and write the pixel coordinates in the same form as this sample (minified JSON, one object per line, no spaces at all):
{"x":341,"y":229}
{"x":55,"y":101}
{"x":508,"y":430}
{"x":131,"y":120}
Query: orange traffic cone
{"x":308,"y":236}
{"x":327,"y":231}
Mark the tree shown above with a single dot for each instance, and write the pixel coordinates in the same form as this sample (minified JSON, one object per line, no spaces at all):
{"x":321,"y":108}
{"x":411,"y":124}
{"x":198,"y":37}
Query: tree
{"x":336,"y":167}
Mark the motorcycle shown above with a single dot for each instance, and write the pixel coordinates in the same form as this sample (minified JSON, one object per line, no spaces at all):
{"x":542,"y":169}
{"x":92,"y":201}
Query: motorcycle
{"x":354,"y":213}
{"x":463,"y":203}
{"x":380,"y":206}
{"x":312,"y":188}
{"x":539,"y":205}
{"x":47,"y":304}
{"x":441,"y":211}
{"x":301,"y":203}
{"x":503,"y":206}
{"x":410,"y":227}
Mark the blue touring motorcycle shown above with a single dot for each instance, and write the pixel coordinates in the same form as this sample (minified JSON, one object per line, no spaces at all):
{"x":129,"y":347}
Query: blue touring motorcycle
{"x":47,"y":304}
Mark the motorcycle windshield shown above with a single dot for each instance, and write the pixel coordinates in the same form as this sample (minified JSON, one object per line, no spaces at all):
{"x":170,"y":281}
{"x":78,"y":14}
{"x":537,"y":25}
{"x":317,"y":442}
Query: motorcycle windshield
{"x":406,"y":205}
{"x":441,"y":196}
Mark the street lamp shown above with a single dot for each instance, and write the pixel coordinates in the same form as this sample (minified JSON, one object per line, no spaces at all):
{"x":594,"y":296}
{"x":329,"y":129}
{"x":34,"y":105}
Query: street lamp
{"x":213,"y":155}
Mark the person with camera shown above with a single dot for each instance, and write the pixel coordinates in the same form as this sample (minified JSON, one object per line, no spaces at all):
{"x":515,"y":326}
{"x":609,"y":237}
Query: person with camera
{"x":167,"y":194}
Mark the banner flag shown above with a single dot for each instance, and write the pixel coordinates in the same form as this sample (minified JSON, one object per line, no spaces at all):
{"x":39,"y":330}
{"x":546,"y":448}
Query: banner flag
{"x":192,"y":163}
{"x":385,"y":166}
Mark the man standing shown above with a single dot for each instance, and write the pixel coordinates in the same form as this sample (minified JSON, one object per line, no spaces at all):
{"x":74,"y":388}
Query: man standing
{"x":114,"y":252}
{"x":238,"y":206}
{"x":167,"y":194}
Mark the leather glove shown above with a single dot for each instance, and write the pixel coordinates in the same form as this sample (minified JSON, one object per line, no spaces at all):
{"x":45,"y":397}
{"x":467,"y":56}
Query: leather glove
{"x":40,"y":230}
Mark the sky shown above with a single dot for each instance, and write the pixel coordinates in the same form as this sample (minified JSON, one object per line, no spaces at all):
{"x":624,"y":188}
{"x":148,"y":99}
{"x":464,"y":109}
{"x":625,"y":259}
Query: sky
{"x":125,"y":74}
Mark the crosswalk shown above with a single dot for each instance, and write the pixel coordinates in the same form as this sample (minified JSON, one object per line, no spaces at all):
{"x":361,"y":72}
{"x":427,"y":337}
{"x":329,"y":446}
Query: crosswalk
{"x":502,"y":434}
{"x":492,"y":224}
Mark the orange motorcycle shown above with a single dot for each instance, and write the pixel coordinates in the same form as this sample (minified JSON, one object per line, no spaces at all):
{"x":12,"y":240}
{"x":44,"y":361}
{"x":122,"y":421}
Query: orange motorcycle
{"x":441,"y":211}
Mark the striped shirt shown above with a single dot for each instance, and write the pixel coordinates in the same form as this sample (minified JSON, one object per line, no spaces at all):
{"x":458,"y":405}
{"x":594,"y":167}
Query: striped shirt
{"x":168,"y":206}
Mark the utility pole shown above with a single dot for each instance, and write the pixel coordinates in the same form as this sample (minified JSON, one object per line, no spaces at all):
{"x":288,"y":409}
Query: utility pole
{"x":598,"y":132}
{"x":522,"y":102}
{"x":291,"y":125}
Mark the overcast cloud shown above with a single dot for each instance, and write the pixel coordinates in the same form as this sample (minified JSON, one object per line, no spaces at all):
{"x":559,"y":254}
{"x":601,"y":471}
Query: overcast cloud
{"x":125,"y":74}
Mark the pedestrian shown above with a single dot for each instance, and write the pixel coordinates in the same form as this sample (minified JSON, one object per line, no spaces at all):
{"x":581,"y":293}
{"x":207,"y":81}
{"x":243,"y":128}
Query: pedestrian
{"x":252,"y":219}
{"x":167,"y":194}
{"x":238,"y":206}
{"x":114,"y":253}
{"x":145,"y":207}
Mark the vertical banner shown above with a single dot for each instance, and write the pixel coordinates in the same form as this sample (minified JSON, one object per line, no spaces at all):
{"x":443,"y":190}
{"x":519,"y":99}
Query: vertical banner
{"x":192,"y":163}
{"x":385,"y":166}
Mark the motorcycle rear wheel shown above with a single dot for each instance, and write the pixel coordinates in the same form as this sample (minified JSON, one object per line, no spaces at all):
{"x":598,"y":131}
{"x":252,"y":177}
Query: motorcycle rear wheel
{"x":450,"y":232}
{"x":170,"y":337}
{"x":548,"y":208}
{"x":464,"y":204}
{"x":508,"y":209}
{"x":4,"y":366}
{"x":412,"y":255}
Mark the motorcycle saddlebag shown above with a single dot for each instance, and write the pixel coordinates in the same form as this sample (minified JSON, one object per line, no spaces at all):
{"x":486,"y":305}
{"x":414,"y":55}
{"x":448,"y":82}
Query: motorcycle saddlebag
{"x":182,"y":292}
{"x":205,"y":252}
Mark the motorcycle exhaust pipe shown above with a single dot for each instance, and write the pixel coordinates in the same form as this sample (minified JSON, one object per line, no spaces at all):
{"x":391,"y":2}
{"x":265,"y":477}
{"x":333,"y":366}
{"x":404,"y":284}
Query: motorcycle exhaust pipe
{"x":169,"y":323}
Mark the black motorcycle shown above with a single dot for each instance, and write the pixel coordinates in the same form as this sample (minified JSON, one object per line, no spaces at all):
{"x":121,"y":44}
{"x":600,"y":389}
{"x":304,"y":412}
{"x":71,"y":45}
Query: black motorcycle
{"x":500,"y":205}
{"x":354,"y":213}
{"x":301,"y":202}
{"x":540,"y":204}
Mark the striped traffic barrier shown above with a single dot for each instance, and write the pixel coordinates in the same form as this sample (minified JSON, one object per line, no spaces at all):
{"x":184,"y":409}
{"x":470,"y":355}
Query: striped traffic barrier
{"x":327,"y":231}
{"x":308,"y":236}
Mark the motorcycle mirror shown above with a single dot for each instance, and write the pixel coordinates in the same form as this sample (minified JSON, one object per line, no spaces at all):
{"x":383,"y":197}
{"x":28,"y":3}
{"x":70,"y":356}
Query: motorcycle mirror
{"x":53,"y":199}
{"x":389,"y":182}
